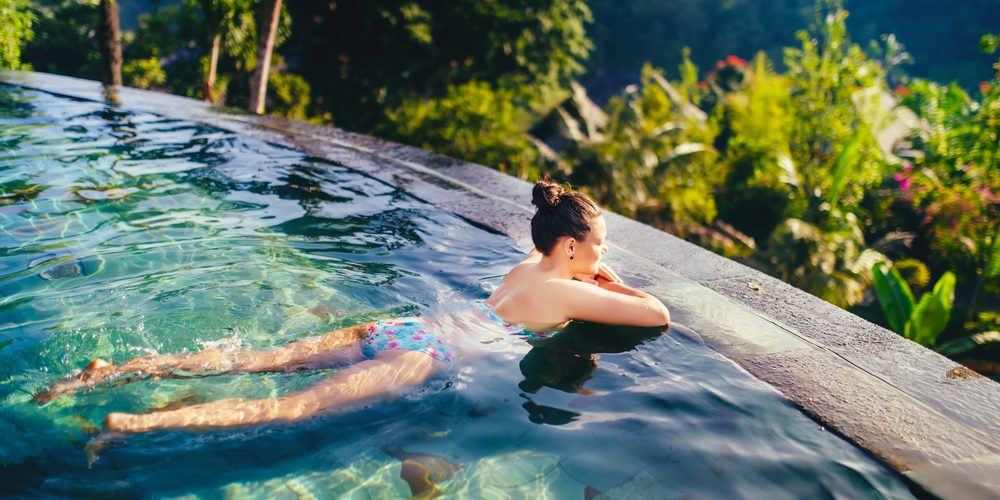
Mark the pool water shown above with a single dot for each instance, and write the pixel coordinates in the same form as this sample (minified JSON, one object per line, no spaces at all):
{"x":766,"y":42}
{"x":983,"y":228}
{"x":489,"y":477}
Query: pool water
{"x":125,"y":233}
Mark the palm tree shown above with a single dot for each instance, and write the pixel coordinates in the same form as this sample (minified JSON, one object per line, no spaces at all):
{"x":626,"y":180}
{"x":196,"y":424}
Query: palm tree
{"x":216,"y":13}
{"x":110,"y":39}
{"x":265,"y":45}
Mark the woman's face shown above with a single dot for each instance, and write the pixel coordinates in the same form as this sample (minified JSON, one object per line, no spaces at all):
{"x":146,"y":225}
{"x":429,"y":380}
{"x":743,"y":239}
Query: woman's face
{"x":587,"y":253}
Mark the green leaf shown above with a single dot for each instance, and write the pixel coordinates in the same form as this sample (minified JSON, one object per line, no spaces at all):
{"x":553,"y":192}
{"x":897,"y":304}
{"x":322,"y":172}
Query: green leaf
{"x":894,"y":296}
{"x":993,"y":265}
{"x":988,"y":43}
{"x":932,"y":313}
{"x":842,"y":165}
{"x":965,"y":344}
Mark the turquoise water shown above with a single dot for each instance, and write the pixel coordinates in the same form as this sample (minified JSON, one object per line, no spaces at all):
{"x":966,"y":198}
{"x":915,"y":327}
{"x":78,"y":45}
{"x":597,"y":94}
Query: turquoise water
{"x":125,"y":233}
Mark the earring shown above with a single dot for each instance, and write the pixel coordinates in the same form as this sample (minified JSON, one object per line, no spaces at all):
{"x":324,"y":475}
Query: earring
{"x":570,"y":256}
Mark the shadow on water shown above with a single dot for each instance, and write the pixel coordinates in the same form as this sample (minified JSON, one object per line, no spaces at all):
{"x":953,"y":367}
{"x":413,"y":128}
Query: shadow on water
{"x":15,"y":103}
{"x":567,"y":361}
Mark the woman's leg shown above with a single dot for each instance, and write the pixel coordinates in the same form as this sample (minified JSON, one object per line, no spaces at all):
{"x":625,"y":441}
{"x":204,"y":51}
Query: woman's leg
{"x":328,"y":349}
{"x":390,"y":370}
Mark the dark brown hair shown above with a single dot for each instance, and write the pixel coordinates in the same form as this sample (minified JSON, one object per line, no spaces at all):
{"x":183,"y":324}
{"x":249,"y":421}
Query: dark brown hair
{"x":560,"y":212}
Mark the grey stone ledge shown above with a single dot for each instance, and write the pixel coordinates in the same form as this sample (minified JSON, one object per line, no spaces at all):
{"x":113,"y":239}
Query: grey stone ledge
{"x":888,"y":395}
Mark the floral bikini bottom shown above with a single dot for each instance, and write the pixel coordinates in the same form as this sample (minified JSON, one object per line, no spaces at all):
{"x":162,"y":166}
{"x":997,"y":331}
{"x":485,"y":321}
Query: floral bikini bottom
{"x":405,"y":333}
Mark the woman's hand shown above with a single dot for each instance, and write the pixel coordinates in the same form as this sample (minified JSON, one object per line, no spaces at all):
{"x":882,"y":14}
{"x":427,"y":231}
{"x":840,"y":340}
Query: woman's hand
{"x":608,"y":274}
{"x":604,"y":275}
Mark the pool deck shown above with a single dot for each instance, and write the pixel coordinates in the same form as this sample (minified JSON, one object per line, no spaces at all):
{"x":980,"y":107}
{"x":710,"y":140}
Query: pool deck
{"x":905,"y":404}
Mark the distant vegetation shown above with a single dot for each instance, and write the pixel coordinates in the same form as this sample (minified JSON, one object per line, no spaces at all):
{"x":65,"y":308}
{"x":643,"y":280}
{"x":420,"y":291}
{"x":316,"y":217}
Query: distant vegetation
{"x":941,"y":35}
{"x":821,"y":161}
{"x":15,"y":30}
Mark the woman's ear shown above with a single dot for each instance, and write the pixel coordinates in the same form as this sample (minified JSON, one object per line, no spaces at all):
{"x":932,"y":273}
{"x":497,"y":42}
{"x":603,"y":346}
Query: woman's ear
{"x":569,"y":246}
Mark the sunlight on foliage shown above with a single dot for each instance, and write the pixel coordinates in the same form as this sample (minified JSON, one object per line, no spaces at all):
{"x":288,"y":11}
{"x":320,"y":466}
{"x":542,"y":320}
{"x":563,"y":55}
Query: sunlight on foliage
{"x":472,"y":121}
{"x":144,"y":73}
{"x":15,"y":31}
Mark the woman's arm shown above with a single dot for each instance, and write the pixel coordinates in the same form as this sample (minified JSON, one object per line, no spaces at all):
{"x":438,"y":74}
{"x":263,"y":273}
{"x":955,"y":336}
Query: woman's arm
{"x":624,"y":289}
{"x":612,"y":303}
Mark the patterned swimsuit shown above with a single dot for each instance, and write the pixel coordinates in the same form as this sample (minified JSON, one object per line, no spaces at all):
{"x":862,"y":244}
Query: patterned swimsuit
{"x":412,"y":334}
{"x":409,"y":334}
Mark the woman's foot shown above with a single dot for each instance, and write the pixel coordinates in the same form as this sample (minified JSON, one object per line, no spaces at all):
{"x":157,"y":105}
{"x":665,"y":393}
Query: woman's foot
{"x":96,"y":371}
{"x":101,"y":441}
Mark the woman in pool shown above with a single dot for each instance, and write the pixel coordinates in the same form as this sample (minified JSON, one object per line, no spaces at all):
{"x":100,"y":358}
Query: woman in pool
{"x":560,"y":280}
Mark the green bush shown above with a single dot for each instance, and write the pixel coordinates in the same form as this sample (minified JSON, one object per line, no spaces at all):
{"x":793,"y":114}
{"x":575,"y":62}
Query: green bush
{"x":144,"y":73}
{"x":15,"y":30}
{"x":474,"y":121}
{"x":288,"y":95}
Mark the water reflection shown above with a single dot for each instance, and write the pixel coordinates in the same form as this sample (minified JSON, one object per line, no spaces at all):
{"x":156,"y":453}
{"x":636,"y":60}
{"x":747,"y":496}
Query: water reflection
{"x":567,"y":361}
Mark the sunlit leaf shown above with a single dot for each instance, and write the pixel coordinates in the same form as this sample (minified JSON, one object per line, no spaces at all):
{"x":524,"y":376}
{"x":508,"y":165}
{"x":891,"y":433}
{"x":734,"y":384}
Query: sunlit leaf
{"x":931,"y":315}
{"x":894,"y":296}
{"x":993,"y":266}
{"x":846,"y":160}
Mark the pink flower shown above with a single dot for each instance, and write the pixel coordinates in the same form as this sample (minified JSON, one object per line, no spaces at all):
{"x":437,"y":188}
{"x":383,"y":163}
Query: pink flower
{"x":417,"y":338}
{"x":898,"y":177}
{"x":392,"y":345}
{"x":735,"y":61}
{"x":905,"y":184}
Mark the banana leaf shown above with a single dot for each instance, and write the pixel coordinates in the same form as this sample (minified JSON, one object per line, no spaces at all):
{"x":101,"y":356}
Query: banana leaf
{"x":894,"y":296}
{"x":931,"y":315}
{"x":846,"y":160}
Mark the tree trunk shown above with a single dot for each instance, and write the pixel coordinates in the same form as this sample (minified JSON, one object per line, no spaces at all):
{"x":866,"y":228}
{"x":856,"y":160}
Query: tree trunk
{"x":109,"y":38}
{"x":213,"y":64}
{"x":265,"y":45}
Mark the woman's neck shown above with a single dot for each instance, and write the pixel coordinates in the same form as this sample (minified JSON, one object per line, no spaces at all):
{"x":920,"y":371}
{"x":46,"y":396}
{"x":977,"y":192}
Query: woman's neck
{"x":555,"y":266}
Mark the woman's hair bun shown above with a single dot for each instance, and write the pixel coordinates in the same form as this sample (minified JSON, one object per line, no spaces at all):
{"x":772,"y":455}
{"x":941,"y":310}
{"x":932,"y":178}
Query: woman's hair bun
{"x":546,"y":194}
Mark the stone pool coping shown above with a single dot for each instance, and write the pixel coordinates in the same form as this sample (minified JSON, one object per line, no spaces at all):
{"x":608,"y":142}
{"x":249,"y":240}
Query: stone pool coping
{"x":903,"y":403}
